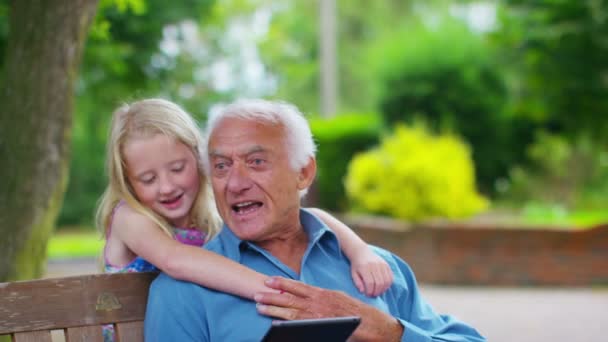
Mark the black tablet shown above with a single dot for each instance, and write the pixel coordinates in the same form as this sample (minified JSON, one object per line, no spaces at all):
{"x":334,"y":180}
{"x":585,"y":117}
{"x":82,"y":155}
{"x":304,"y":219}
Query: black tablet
{"x":336,"y":329}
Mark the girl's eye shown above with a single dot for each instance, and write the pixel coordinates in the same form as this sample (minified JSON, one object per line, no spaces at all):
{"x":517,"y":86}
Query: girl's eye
{"x":147,"y":181}
{"x":178,"y":168}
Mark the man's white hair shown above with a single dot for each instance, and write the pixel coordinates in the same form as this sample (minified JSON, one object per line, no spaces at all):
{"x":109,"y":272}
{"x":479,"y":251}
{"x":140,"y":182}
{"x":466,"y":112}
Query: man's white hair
{"x":297,"y":134}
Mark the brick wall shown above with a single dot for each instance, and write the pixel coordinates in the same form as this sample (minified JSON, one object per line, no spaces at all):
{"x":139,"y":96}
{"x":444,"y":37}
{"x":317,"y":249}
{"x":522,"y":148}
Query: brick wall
{"x":490,"y":255}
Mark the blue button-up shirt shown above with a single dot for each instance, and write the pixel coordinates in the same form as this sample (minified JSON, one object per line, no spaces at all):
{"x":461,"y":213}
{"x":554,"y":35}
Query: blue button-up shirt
{"x":183,"y":311}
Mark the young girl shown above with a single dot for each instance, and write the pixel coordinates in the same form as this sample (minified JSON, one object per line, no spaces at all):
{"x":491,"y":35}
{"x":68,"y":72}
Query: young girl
{"x":157,"y":209}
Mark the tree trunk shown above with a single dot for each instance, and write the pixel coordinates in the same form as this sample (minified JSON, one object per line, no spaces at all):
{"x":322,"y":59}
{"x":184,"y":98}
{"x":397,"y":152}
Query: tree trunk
{"x":45,"y":42}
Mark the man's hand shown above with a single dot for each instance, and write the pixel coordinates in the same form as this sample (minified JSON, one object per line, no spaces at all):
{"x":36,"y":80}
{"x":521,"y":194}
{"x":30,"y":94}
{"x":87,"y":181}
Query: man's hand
{"x":300,"y":301}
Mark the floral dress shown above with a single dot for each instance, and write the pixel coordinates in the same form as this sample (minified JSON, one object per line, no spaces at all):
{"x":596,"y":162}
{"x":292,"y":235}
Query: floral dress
{"x":187,"y":236}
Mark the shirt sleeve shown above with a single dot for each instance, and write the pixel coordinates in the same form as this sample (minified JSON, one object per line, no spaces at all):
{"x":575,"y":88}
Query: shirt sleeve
{"x":164,"y":322}
{"x":420,"y":321}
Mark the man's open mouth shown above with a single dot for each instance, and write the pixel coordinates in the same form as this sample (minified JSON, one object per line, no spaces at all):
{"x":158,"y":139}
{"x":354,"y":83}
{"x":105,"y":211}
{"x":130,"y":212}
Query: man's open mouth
{"x":246,"y":207}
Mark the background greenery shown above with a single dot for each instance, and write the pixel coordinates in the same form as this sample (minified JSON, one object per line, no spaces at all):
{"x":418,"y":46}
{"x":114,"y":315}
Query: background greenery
{"x":79,"y":243}
{"x":338,"y":139}
{"x":527,"y":92}
{"x":435,"y":179}
{"x":535,"y":73}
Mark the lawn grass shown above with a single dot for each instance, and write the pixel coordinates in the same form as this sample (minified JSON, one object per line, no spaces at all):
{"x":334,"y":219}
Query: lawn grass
{"x":556,"y":215}
{"x":75,"y":244}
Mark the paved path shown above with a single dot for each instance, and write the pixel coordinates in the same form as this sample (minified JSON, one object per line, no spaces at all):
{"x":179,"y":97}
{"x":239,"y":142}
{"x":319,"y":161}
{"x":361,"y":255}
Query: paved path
{"x":500,"y":314}
{"x":69,"y":267}
{"x":526,"y":314}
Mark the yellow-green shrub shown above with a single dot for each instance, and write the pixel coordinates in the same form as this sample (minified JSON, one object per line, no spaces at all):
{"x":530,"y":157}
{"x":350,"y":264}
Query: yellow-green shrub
{"x":414,"y":175}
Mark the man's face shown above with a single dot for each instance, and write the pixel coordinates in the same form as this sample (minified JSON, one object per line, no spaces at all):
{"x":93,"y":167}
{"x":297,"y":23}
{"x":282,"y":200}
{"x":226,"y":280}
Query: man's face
{"x":256,"y":190}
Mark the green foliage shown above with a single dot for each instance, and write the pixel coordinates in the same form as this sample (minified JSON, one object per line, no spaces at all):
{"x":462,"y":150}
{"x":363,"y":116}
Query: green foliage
{"x":556,"y":52}
{"x":414,"y":175}
{"x":571,"y":175}
{"x":291,"y":49}
{"x":445,"y":75}
{"x":419,"y":72}
{"x":537,"y":213}
{"x":118,"y":60}
{"x":69,"y":244}
{"x":338,"y":139}
{"x":118,"y":67}
{"x":544,"y":70}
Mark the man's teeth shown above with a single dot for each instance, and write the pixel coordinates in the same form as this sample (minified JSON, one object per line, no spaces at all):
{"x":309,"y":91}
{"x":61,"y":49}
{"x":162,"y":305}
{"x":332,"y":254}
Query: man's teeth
{"x":244,"y":204}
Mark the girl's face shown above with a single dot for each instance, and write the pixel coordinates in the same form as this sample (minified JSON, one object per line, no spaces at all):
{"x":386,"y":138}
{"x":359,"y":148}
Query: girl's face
{"x":163,"y":172}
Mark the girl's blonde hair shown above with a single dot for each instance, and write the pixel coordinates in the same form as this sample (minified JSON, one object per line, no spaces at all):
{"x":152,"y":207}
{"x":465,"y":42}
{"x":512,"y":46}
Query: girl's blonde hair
{"x":147,"y":118}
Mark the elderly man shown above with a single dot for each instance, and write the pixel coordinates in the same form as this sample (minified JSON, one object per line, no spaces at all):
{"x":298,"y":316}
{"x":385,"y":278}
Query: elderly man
{"x":260,"y":159}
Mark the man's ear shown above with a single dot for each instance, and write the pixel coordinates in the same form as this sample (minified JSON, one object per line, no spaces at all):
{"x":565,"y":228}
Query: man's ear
{"x":307,"y":174}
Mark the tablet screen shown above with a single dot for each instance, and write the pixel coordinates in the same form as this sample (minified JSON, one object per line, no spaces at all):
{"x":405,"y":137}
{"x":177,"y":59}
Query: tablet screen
{"x":321,"y":329}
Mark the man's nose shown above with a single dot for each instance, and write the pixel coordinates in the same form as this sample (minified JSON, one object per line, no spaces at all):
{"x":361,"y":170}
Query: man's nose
{"x":238,"y":179}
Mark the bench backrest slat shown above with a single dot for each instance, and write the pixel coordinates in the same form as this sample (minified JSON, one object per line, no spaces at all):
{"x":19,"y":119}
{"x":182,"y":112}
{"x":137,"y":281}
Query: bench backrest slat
{"x":33,"y":336}
{"x":130,"y":331}
{"x":81,"y":301}
{"x":85,"y":334}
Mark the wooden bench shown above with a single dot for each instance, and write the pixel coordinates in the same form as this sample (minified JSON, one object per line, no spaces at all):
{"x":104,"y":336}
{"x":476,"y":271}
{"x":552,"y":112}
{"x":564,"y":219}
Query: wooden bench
{"x":75,"y":308}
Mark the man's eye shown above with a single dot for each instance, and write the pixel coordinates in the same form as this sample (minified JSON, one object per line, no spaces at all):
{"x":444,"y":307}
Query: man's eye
{"x":257,"y":161}
{"x":220,"y":166}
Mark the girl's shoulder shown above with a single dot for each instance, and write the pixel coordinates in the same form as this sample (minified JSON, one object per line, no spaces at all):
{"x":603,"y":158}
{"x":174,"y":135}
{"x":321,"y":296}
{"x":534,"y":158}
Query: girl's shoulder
{"x":126,"y":225}
{"x":125,"y":215}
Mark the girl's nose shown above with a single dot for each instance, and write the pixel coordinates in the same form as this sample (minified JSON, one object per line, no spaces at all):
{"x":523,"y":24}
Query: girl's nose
{"x":166,"y":186}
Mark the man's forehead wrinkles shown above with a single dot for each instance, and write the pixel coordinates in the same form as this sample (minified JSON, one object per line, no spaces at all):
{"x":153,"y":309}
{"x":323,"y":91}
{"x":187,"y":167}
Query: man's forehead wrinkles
{"x":256,"y":148}
{"x":215,"y":153}
{"x":219,"y":152}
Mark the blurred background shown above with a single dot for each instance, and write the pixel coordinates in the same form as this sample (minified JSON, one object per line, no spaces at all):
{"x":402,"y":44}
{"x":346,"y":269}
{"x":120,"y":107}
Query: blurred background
{"x":502,"y":105}
{"x":466,"y":136}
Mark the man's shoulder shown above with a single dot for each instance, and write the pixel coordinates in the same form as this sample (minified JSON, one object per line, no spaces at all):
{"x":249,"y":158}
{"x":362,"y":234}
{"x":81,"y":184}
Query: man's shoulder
{"x":385,"y":254}
{"x":172,"y":290}
{"x":224,"y":243}
{"x":164,"y":281}
{"x":214,"y":244}
{"x":218,"y":245}
{"x":396,"y":263}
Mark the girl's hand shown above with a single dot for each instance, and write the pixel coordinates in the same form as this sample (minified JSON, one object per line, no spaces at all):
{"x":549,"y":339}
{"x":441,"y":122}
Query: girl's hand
{"x":371,"y":274}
